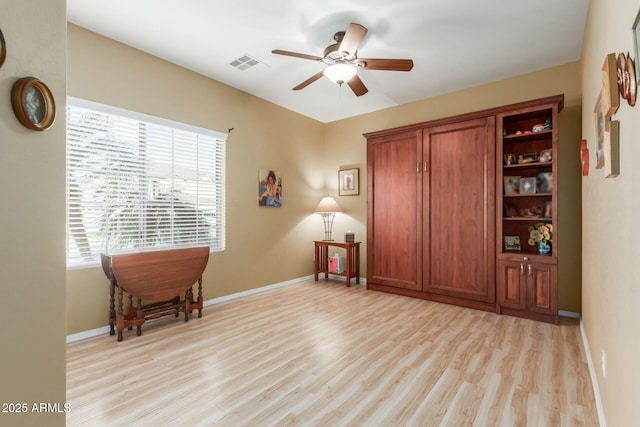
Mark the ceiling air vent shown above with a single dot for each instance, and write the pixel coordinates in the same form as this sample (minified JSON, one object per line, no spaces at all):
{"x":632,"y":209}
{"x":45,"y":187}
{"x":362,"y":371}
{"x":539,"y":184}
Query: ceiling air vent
{"x":244,"y":62}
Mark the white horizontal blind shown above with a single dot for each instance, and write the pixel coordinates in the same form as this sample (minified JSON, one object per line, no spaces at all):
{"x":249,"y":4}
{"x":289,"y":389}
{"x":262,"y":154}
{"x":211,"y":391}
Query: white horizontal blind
{"x":136,"y":182}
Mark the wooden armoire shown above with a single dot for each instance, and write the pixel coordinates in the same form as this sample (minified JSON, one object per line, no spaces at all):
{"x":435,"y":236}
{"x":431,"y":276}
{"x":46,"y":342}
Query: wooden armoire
{"x":435,"y":208}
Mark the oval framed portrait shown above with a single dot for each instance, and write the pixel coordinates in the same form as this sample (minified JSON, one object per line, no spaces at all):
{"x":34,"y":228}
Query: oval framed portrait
{"x":33,"y":103}
{"x":3,"y":49}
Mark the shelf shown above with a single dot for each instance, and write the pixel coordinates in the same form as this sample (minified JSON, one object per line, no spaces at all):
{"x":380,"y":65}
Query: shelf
{"x":529,"y":165}
{"x":528,"y":136}
{"x":527,"y":218}
{"x":529,"y":195}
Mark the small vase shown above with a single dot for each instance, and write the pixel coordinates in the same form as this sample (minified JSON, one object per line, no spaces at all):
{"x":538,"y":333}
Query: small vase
{"x":544,"y":248}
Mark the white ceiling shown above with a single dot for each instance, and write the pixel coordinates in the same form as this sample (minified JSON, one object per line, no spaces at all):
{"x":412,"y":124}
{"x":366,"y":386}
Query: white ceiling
{"x":454,"y":44}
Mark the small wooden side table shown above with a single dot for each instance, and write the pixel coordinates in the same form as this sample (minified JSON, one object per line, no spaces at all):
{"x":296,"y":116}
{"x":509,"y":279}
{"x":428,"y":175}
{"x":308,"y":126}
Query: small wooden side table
{"x":352,"y":267}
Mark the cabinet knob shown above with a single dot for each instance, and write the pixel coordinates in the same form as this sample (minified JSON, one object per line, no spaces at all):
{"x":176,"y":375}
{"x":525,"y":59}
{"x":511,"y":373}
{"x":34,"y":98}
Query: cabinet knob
{"x":526,"y":258}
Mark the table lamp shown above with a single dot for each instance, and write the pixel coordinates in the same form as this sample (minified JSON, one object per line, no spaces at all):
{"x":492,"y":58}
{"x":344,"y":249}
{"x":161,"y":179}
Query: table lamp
{"x":328,"y":209}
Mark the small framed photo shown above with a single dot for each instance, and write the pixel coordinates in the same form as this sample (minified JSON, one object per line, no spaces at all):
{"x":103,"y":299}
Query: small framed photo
{"x":349,"y":182}
{"x":610,"y":92}
{"x":33,"y":104}
{"x":511,"y":185}
{"x":510,"y":210}
{"x":512,"y":244}
{"x":509,"y":159}
{"x":528,"y":185}
{"x":528,"y":158}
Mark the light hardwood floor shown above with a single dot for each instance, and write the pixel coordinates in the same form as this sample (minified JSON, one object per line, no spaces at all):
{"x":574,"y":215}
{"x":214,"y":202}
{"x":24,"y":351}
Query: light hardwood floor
{"x":322,"y":354}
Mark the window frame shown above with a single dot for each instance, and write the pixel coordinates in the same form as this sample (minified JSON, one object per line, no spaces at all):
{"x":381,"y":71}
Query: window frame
{"x":176,"y":130}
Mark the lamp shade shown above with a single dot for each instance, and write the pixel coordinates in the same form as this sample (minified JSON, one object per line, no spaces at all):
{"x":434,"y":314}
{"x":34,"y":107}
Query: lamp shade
{"x":327,"y":205}
{"x":340,"y":73}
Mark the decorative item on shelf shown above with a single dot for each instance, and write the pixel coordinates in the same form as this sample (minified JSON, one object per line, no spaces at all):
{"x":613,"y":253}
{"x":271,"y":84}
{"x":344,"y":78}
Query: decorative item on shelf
{"x":530,"y":212}
{"x":548,"y":207}
{"x":545,"y":156}
{"x":544,"y":182}
{"x":328,"y":208}
{"x":509,"y":159}
{"x":33,"y":104}
{"x":349,"y":237}
{"x":528,"y":185}
{"x":538,"y":128}
{"x":540,"y":235}
{"x":510,"y":210}
{"x":547,"y":124}
{"x":349,"y":182}
{"x":511,"y":185}
{"x":528,"y":158}
{"x":512,"y":244}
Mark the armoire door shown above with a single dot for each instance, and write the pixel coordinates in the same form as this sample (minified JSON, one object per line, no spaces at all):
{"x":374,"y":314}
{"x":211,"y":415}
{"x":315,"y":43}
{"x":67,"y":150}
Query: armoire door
{"x":459,"y":210}
{"x":394,"y":214}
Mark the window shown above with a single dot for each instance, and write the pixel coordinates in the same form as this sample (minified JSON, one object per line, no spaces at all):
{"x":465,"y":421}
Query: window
{"x":136,"y":182}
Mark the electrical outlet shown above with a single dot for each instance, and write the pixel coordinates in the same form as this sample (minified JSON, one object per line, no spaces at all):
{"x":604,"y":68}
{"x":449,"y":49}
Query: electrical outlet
{"x":604,"y":363}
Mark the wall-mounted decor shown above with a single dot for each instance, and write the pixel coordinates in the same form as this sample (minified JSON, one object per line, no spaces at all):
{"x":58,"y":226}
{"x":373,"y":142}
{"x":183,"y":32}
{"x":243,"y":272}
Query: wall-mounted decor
{"x":612,"y":150}
{"x":33,"y":103}
{"x":269,"y":188}
{"x":626,"y":79}
{"x":599,"y":120}
{"x":584,"y":157}
{"x":3,"y":49}
{"x":610,"y":95}
{"x":636,"y":41}
{"x":349,"y":182}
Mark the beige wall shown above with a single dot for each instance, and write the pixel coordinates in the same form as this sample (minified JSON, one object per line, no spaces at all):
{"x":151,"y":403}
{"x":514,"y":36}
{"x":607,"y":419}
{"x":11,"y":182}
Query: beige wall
{"x":345,"y":137}
{"x":32,"y":217}
{"x":611,"y":288}
{"x":264,"y":245}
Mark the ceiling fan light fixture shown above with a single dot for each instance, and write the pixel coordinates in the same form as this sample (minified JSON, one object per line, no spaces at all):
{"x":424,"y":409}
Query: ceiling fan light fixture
{"x":340,"y":73}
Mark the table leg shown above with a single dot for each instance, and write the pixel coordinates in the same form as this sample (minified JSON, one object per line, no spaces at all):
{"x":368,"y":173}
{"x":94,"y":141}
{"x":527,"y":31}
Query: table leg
{"x":348,"y":275}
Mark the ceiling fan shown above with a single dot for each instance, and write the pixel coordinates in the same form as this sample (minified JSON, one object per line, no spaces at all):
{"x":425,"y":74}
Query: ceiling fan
{"x":343,"y":62}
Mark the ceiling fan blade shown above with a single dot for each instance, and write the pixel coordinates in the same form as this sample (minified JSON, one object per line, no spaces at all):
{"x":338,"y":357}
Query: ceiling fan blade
{"x":296,"y":55}
{"x":386,"y":64}
{"x":357,"y":86}
{"x":352,"y":39}
{"x":309,"y":81}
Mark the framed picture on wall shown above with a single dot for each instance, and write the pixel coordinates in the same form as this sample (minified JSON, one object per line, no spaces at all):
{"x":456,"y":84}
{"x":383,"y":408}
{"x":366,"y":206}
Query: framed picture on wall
{"x":33,"y":104}
{"x":349,"y":182}
{"x":636,"y":42}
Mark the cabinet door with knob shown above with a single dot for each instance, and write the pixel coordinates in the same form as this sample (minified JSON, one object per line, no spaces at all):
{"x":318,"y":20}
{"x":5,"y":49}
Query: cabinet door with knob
{"x":527,"y":287}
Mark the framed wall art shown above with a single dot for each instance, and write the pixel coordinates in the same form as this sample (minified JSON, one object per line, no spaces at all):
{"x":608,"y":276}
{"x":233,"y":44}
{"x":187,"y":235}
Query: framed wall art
{"x":610,"y":94}
{"x":636,"y":41}
{"x":612,"y":150}
{"x":33,"y":104}
{"x":269,"y":188}
{"x":3,"y":49}
{"x":600,"y":122}
{"x":349,"y":182}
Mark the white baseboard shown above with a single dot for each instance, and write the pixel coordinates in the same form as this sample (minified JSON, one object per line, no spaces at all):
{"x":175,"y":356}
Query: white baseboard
{"x":105,"y":329}
{"x":568,"y":314}
{"x":594,"y":378}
